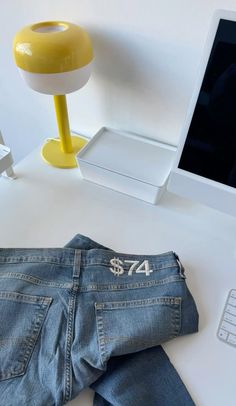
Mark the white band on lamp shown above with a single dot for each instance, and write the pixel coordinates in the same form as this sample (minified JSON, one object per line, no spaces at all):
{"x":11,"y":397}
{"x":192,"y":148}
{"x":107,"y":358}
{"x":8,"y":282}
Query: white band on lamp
{"x":57,"y":83}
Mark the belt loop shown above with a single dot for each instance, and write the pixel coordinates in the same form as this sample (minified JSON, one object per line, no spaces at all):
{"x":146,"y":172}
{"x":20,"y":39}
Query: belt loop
{"x":76,"y":265}
{"x":181,"y":268}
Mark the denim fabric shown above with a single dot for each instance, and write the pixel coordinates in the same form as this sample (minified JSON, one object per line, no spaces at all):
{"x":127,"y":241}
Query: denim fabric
{"x":143,"y":378}
{"x":64,"y":313}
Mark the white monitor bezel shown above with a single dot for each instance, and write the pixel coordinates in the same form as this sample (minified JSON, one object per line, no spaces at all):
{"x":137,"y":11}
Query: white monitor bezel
{"x":188,"y":184}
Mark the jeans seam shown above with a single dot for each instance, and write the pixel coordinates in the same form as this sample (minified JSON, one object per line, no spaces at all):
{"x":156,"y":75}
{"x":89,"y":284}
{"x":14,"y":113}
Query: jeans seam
{"x":101,"y":337}
{"x":176,"y":319}
{"x":33,"y":260}
{"x":69,"y":339}
{"x":25,"y":298}
{"x":137,"y":303}
{"x":132,"y":340}
{"x":130,"y":286}
{"x":35,"y":281}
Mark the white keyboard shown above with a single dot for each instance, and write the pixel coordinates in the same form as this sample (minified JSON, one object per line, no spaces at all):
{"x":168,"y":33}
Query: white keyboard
{"x":227,"y":328}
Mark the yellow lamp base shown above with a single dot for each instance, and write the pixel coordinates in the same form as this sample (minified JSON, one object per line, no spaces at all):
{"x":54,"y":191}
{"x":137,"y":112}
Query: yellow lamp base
{"x":53,"y":155}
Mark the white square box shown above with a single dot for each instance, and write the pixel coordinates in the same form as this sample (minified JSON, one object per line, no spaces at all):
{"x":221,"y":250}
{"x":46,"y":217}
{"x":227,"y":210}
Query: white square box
{"x":127,"y":163}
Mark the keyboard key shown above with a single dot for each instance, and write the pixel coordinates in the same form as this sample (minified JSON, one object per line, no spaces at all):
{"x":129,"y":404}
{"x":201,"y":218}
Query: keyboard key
{"x":228,"y":327}
{"x":223,"y":334}
{"x":233,"y":293}
{"x":229,"y":317}
{"x":232,"y":339}
{"x":232,"y":301}
{"x":231,"y":309}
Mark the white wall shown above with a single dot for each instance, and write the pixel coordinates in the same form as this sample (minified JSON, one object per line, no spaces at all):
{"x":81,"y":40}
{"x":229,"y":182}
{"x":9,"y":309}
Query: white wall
{"x":146,"y":58}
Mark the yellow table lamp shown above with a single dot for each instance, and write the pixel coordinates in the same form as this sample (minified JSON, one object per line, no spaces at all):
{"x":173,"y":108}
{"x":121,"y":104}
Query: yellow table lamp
{"x":55,"y":57}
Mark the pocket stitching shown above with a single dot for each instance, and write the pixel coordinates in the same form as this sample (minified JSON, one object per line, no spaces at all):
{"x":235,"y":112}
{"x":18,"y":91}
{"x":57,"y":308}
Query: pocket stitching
{"x":24,"y":298}
{"x":43,"y":304}
{"x":164,"y":300}
{"x":168,"y":300}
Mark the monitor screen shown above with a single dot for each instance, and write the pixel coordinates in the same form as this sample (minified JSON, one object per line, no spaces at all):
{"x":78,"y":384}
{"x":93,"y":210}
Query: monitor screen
{"x":210,"y":146}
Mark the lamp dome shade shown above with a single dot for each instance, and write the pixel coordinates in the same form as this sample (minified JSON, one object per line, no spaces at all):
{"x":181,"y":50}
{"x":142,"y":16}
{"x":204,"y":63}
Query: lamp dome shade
{"x":54,"y":57}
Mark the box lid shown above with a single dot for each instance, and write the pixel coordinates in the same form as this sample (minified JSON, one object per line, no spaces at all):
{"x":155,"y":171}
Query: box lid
{"x":130,"y":155}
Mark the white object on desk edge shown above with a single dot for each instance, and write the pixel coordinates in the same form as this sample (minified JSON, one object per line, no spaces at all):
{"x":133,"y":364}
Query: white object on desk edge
{"x":127,"y":163}
{"x":6,"y":159}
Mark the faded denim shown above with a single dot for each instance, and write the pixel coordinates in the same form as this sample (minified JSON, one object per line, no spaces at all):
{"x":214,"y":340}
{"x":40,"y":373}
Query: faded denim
{"x":64,"y":313}
{"x":143,"y":378}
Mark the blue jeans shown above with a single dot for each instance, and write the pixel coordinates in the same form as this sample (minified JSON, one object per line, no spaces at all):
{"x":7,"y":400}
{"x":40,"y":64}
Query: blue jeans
{"x":66,"y":312}
{"x":151,"y":377}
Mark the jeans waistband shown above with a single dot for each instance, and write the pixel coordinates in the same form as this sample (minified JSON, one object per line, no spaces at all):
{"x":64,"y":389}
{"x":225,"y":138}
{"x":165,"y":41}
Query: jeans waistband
{"x":63,"y":256}
{"x":66,"y":256}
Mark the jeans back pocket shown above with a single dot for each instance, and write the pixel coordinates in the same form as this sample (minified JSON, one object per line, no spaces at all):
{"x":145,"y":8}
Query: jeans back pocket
{"x":130,"y":326}
{"x":21,"y":319}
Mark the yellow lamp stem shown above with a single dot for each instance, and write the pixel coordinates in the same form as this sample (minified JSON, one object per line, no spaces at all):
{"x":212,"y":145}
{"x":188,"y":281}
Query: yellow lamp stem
{"x":63,"y":123}
{"x":61,"y":152}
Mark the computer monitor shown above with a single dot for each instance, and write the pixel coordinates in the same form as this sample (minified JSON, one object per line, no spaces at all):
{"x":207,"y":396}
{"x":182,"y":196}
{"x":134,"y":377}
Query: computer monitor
{"x":205,"y":167}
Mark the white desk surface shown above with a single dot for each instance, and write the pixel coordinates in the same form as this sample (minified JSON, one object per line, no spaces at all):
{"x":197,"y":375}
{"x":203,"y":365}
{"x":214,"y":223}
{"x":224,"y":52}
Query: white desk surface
{"x":46,"y":207}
